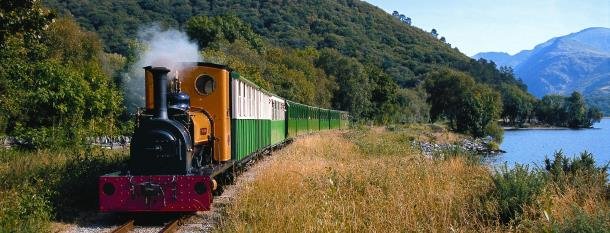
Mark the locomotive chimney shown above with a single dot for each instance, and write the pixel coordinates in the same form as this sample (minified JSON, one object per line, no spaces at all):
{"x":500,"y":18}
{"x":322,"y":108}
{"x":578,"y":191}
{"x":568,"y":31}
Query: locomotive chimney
{"x":160,"y":91}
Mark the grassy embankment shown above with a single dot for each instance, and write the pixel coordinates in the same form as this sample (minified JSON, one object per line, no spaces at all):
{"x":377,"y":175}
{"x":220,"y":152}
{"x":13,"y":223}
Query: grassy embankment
{"x":37,"y":187}
{"x":374,"y":181}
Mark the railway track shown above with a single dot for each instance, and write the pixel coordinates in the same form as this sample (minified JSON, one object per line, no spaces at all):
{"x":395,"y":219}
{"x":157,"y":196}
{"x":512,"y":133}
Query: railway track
{"x":170,"y":227}
{"x":126,"y":227}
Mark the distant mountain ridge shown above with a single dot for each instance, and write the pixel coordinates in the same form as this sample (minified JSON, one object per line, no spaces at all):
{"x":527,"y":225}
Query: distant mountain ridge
{"x":576,"y":62}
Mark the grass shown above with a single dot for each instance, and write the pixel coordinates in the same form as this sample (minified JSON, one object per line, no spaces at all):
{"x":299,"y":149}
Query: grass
{"x":364,"y":181}
{"x":576,"y":197}
{"x":372,"y":180}
{"x":38,"y":187}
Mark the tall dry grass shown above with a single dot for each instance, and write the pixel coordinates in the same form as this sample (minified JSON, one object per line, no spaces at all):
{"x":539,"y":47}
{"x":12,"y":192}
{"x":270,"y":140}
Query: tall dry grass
{"x":363,"y":181}
{"x":582,"y":205}
{"x":372,"y":180}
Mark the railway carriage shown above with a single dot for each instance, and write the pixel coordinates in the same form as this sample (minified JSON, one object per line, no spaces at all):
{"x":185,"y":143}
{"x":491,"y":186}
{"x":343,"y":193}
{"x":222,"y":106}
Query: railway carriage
{"x":200,"y":121}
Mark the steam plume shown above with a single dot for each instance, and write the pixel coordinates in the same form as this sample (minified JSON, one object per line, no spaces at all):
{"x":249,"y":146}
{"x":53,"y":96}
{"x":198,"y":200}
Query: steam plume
{"x":166,"y":48}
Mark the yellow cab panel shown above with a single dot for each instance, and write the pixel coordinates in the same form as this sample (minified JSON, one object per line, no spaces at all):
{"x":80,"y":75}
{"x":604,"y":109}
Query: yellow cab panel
{"x":201,"y":127}
{"x":208,"y":87}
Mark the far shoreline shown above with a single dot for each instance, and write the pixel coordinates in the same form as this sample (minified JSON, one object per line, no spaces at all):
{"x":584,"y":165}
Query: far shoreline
{"x":542,"y":127}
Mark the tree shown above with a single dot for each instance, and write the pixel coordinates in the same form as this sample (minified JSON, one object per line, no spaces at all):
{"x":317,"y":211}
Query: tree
{"x":403,"y":18}
{"x":550,"y":109}
{"x":577,"y":112}
{"x":383,"y":96}
{"x":470,"y":108}
{"x":206,"y":30}
{"x":484,"y":109}
{"x":412,"y":105}
{"x":446,"y":88}
{"x":518,"y":104}
{"x":443,"y":39}
{"x":405,"y":55}
{"x":354,"y":89}
{"x":568,"y":111}
{"x":594,"y":115}
{"x":434,"y":33}
{"x":408,"y":21}
{"x":23,"y":18}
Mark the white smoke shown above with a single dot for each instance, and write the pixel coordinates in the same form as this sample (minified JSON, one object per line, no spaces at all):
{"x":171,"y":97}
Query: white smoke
{"x":168,"y":48}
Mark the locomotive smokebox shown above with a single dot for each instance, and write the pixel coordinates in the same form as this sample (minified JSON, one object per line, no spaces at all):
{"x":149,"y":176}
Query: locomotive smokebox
{"x":160,"y":94}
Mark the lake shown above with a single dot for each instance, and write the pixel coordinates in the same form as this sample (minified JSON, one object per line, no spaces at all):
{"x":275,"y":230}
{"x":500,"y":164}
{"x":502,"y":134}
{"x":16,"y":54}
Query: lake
{"x":530,"y":146}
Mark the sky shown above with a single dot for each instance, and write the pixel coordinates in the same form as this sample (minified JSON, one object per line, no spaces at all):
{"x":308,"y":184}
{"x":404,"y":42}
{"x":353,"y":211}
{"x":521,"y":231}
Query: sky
{"x":501,"y":25}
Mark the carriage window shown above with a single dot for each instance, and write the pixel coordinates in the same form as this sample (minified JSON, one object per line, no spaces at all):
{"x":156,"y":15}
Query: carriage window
{"x":205,"y":85}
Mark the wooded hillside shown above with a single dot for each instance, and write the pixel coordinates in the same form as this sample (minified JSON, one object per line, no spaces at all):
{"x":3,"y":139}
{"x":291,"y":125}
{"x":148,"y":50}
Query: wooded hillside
{"x":354,"y":28}
{"x":347,"y":55}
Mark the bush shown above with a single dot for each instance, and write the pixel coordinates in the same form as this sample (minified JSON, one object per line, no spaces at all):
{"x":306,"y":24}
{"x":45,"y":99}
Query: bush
{"x":579,"y":172}
{"x":496,"y":132}
{"x":583,"y":222}
{"x":23,"y":209}
{"x":515,"y":188}
{"x":494,"y":146}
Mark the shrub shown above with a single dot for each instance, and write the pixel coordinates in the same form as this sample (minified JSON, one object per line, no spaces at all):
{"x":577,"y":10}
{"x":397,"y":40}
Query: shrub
{"x":579,"y":172}
{"x":515,"y":188}
{"x":493,"y":146}
{"x":495,"y":131}
{"x":23,"y":209}
{"x":583,"y":222}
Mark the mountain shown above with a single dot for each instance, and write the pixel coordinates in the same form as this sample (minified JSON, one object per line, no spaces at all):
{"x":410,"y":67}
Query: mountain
{"x":576,"y":62}
{"x":504,"y":59}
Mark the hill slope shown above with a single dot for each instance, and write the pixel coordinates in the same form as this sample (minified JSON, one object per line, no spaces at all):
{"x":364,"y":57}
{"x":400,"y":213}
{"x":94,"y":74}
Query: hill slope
{"x":355,"y":28}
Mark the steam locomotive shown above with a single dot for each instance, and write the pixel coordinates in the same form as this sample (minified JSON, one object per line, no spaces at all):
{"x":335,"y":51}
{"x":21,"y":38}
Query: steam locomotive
{"x":201,"y":121}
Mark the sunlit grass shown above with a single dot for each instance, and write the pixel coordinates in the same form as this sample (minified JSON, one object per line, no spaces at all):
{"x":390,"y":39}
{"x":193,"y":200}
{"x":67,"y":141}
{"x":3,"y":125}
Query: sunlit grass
{"x":372,"y":180}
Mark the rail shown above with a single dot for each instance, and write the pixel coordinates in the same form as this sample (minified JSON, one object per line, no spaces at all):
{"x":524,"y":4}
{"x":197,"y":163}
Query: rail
{"x":170,"y":227}
{"x":127,"y":227}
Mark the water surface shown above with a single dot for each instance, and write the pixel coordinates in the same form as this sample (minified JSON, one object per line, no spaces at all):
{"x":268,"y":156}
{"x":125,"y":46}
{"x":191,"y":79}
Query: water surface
{"x":530,"y":146}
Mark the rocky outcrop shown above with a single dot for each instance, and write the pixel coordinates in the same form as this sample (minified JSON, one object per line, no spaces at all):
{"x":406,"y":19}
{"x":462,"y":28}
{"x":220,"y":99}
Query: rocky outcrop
{"x":478,"y":146}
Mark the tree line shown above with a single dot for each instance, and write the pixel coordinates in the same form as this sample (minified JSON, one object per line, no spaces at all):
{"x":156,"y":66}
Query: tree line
{"x":522,"y":108}
{"x":475,"y":108}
